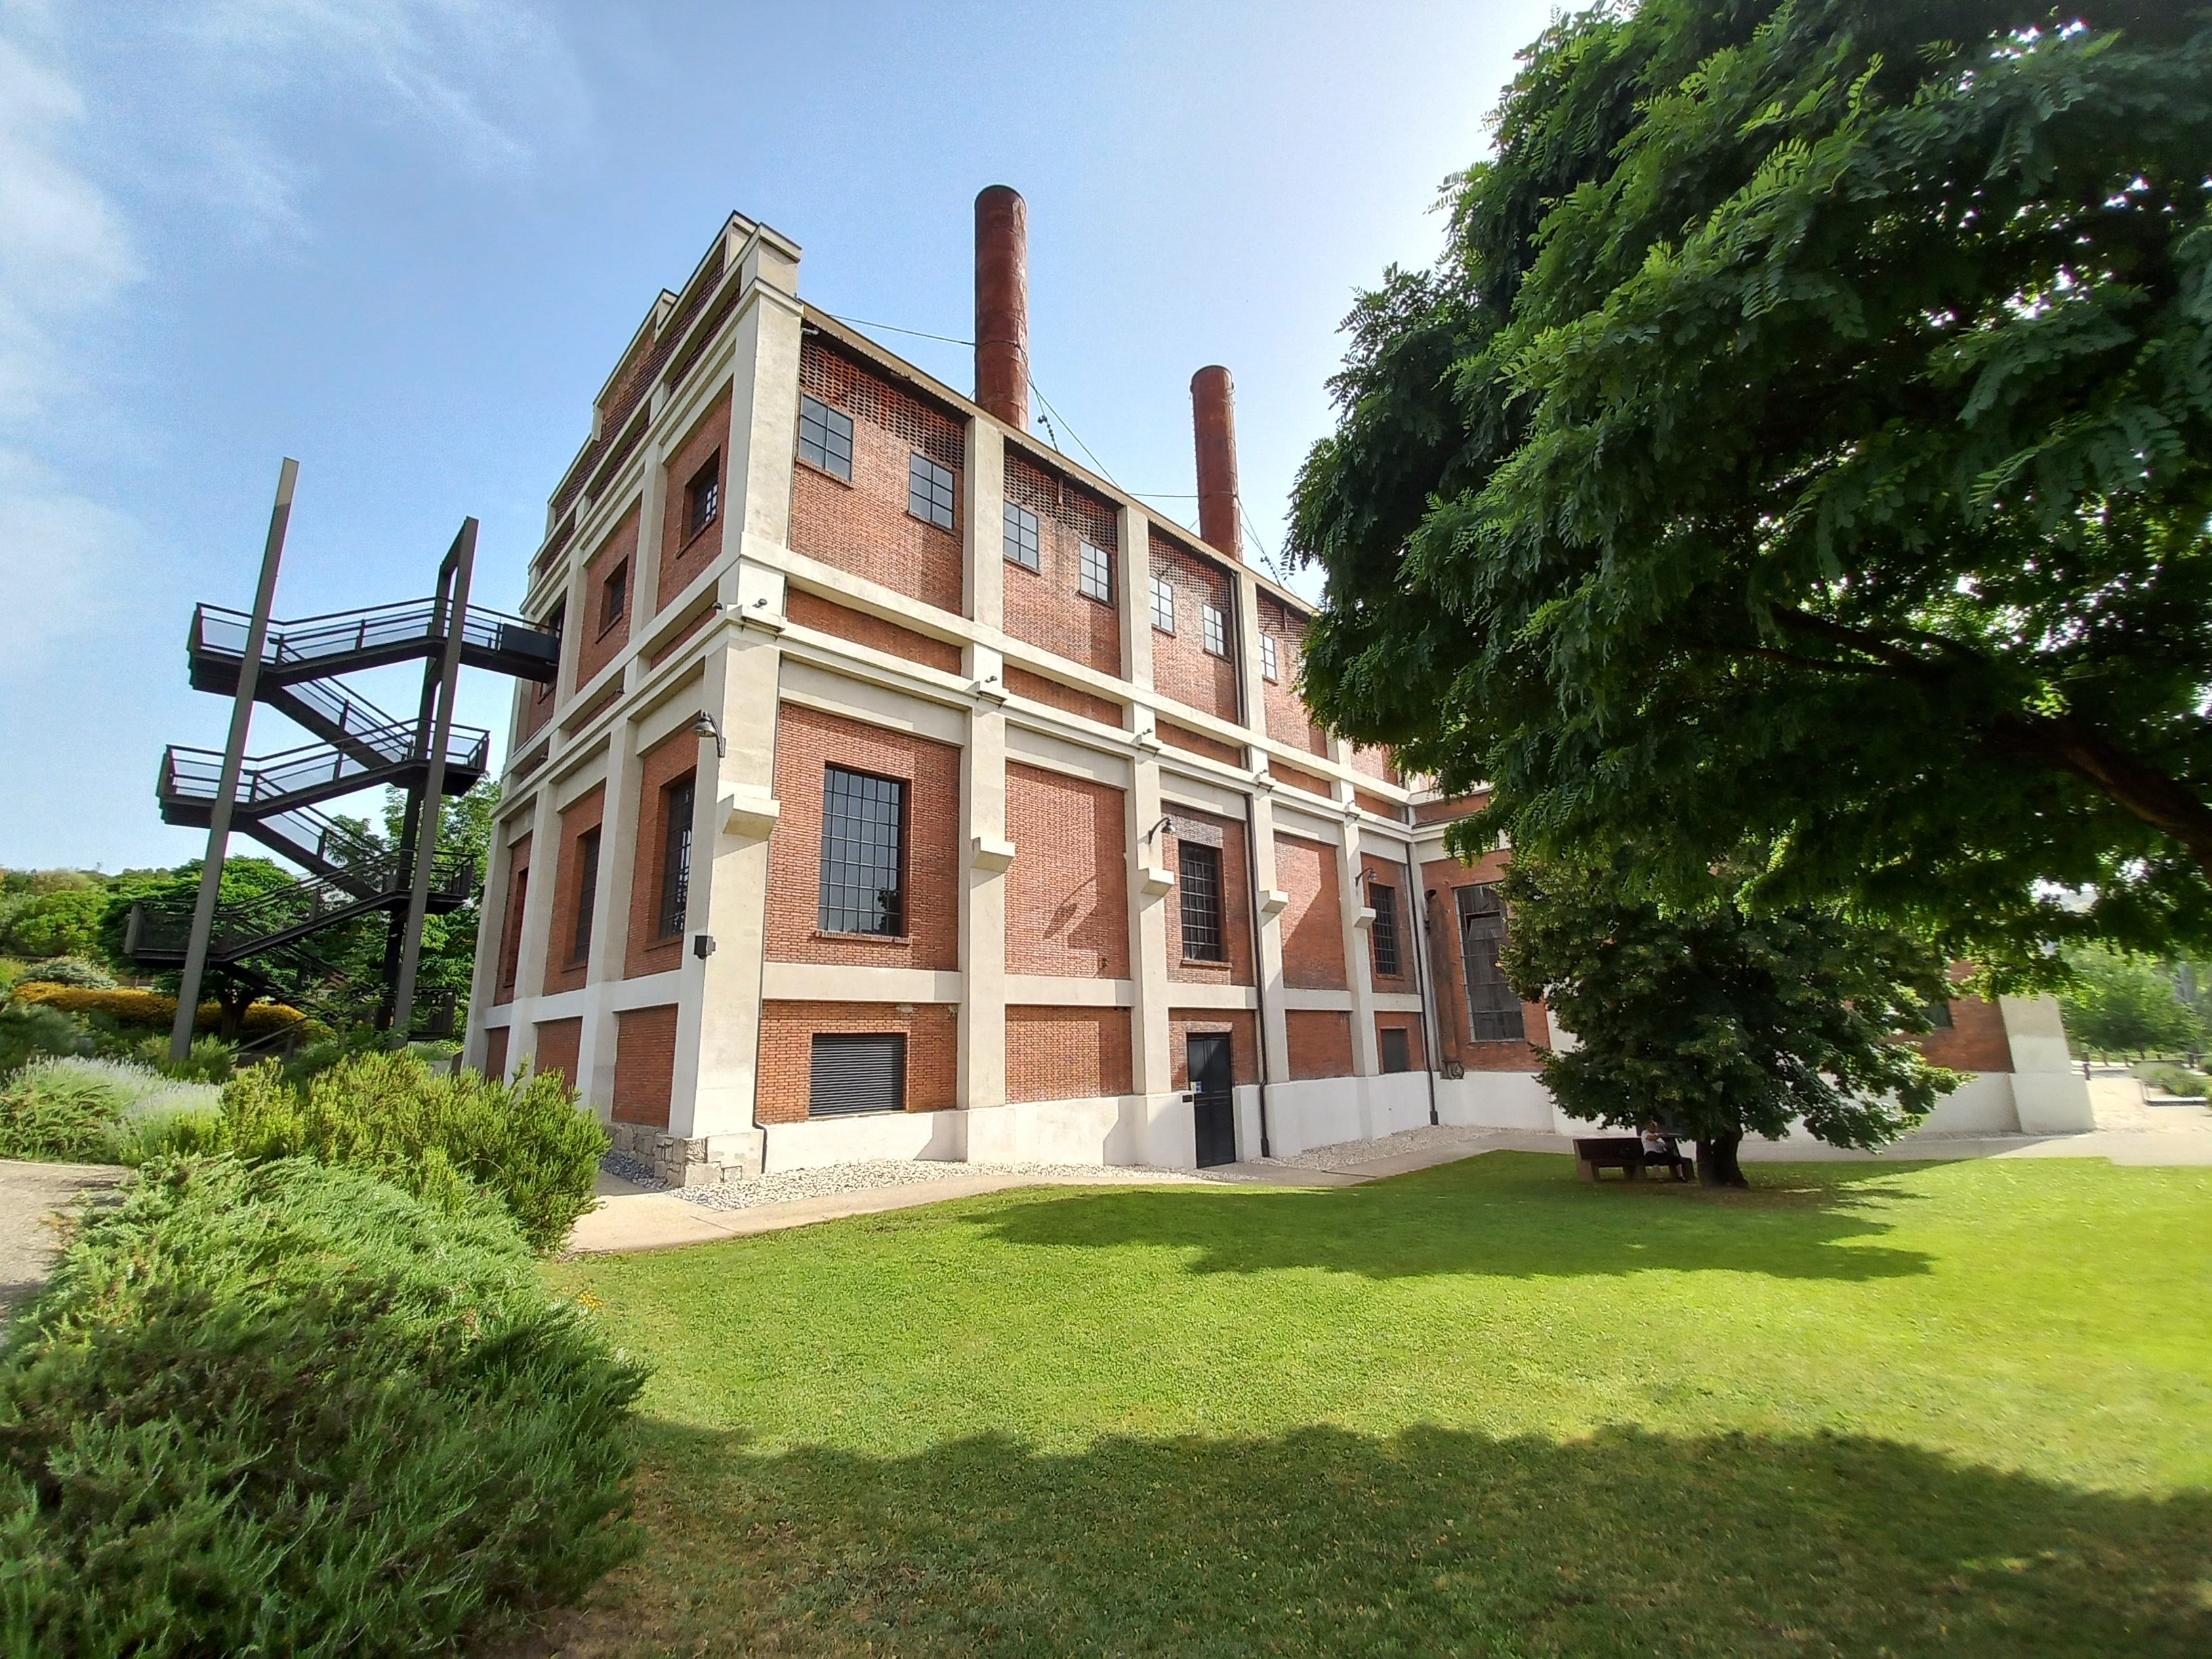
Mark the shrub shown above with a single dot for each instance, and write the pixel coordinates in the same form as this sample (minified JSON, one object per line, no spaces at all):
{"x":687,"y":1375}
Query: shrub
{"x":526,"y":1143}
{"x":28,"y":1030}
{"x":2173,"y":1080}
{"x":208,"y":1061}
{"x":129,"y":1006}
{"x":288,"y":1408}
{"x":104,"y":1111}
{"x":71,"y":971}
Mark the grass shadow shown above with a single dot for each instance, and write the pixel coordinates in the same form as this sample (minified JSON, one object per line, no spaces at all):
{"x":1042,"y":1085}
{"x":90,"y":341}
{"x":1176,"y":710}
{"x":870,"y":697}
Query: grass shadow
{"x":1430,"y":1540}
{"x":1505,"y":1213}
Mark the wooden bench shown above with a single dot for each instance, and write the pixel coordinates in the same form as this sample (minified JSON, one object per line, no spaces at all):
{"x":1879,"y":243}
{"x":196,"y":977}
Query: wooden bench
{"x":1621,"y":1152}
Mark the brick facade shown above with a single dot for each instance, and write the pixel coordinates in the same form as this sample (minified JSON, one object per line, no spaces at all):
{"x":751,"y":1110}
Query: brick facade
{"x":1197,"y":743}
{"x":510,"y":925}
{"x":1976,"y":1039}
{"x":1244,"y":1030}
{"x":540,"y":698}
{"x":1183,"y":668}
{"x":645,"y":1064}
{"x":1375,"y":763}
{"x":863,"y":526}
{"x":1288,"y":720}
{"x":683,"y":556}
{"x":612,"y":569}
{"x":647,"y":950}
{"x":1045,"y":607}
{"x":566,"y":956}
{"x":1393,"y":876}
{"x":827,"y":616}
{"x":1382,"y":809}
{"x":1446,"y":876}
{"x":1067,"y":1053}
{"x":786,"y":1063}
{"x":1417,"y":1057}
{"x":1312,"y":924}
{"x":1235,"y":898}
{"x":807,"y":742}
{"x":496,"y":1052}
{"x":1320,"y":1042}
{"x":558,"y":1043}
{"x":1295,"y":778}
{"x":1054,"y":694}
{"x":1068,"y":894}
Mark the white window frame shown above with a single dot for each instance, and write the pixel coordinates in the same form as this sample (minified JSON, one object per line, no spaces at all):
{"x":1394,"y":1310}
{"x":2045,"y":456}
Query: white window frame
{"x":1163,"y":603}
{"x":1024,"y":534}
{"x":1094,"y":573}
{"x":1214,"y":630}
{"x":1270,"y":666}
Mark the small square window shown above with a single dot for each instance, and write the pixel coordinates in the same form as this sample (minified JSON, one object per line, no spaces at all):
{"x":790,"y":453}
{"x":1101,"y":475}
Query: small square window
{"x":1270,"y":665}
{"x":825,"y":437}
{"x":1217,"y":630}
{"x":703,"y":496}
{"x":1162,"y":605}
{"x":614,"y":596}
{"x":1094,"y":575}
{"x":929,"y":490}
{"x":1021,"y":537}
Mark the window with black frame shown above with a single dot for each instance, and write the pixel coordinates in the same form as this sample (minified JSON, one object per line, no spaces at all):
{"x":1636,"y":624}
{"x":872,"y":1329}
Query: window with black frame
{"x":929,"y":490}
{"x":1494,"y":1008}
{"x":825,"y":437}
{"x":863,"y":853}
{"x":1198,"y":875}
{"x":1022,"y":544}
{"x":1384,"y":900}
{"x":703,"y":496}
{"x":676,"y":856}
{"x":588,"y":895}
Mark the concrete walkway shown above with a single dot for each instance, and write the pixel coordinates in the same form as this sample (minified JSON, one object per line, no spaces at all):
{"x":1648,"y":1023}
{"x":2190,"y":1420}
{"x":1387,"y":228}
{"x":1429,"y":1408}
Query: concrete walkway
{"x":35,"y":1202}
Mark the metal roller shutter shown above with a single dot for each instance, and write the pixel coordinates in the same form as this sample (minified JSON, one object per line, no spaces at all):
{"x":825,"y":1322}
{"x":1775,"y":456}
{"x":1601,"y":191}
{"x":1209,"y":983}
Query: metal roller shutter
{"x":855,"y":1073}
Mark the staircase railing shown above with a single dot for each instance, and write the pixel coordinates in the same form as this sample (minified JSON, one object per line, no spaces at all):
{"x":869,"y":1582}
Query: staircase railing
{"x":196,"y":773}
{"x":356,"y":633}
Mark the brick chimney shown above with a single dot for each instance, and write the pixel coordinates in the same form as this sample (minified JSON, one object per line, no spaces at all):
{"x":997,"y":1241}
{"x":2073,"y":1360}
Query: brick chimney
{"x":1002,"y":305}
{"x":1213,"y":418}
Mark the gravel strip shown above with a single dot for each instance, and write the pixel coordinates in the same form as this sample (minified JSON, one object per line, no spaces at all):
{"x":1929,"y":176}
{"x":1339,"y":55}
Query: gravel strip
{"x":630,"y":1169}
{"x":1349,"y":1154}
{"x":784,"y":1186}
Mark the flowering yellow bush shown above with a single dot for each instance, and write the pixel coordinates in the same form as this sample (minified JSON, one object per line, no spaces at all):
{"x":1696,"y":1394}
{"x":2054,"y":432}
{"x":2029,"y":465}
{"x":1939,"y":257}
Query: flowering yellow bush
{"x":131,"y":1005}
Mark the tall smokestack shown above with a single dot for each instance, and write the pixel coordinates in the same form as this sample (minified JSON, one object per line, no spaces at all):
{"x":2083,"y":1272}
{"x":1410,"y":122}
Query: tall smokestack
{"x":1002,"y":305}
{"x":1213,"y":417}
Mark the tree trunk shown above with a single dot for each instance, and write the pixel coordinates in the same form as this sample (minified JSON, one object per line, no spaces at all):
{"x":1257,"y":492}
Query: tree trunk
{"x":1716,"y":1164}
{"x":232,"y":999}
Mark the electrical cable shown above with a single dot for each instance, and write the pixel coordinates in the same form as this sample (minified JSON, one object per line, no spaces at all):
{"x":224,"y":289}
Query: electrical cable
{"x":893,"y":328}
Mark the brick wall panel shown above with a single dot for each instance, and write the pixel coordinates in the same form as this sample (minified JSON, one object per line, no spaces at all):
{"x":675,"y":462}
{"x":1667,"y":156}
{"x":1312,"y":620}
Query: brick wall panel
{"x":602,"y":642}
{"x":645,"y":951}
{"x":1288,"y":718}
{"x":1320,"y":1042}
{"x":786,"y":1046}
{"x":565,"y":969}
{"x":1067,"y":1053}
{"x":495,"y":1041}
{"x":1054,"y":694}
{"x":1446,"y":875}
{"x":1975,"y":1041}
{"x":1183,"y":668}
{"x":645,"y":1064}
{"x":1297,"y":778}
{"x":1313,"y":922}
{"x":1045,"y":607}
{"x":1067,"y":893}
{"x":682,"y":560}
{"x":1197,"y":743}
{"x":1244,"y":1030}
{"x":559,"y":1042}
{"x":1392,"y":876}
{"x":1375,"y":763}
{"x":807,"y":743}
{"x":827,"y":616}
{"x":510,"y":926}
{"x":1417,"y":1057}
{"x":1235,"y":900}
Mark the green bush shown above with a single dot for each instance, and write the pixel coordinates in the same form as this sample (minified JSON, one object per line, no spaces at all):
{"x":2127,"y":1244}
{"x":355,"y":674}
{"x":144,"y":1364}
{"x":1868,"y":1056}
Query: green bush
{"x":105,"y":1111}
{"x":288,"y":1408}
{"x":2171,"y":1079}
{"x":436,"y":1134}
{"x":73,"y":971}
{"x":208,"y":1061}
{"x":29,"y":1030}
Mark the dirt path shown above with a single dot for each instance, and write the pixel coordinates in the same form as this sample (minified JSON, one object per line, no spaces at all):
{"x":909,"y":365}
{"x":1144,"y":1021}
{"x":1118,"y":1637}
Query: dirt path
{"x":34,"y":1198}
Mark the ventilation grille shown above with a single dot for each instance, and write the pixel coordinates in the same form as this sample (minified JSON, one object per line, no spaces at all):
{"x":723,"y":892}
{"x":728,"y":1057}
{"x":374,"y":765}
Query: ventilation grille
{"x":838,"y":380}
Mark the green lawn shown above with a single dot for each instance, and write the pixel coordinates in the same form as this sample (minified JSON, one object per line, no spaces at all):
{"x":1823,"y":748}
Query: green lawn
{"x":1958,"y":1408}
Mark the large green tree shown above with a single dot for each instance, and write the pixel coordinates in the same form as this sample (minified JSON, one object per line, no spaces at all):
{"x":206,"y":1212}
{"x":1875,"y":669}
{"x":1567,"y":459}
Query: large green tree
{"x":1720,"y":1023}
{"x":2120,"y":1004}
{"x":1805,"y":443}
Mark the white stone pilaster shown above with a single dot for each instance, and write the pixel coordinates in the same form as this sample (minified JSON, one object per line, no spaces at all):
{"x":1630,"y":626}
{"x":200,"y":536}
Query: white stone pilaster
{"x":537,"y":925}
{"x":2048,"y":1089}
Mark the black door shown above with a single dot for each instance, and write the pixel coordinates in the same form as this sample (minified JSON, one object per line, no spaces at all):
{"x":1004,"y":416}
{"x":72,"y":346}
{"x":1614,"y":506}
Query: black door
{"x":1211,"y":1104}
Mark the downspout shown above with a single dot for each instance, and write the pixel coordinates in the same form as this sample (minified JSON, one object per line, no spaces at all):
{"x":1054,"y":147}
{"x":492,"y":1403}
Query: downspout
{"x":1259,"y":979}
{"x":1416,"y":918}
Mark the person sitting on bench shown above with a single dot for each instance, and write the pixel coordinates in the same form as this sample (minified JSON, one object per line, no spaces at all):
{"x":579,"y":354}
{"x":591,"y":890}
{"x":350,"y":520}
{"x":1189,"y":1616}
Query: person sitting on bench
{"x":1660,"y":1152}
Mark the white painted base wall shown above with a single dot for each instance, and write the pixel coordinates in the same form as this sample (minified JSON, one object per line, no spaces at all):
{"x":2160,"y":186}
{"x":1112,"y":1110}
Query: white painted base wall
{"x":1153,"y":1130}
{"x":1304,"y":1116}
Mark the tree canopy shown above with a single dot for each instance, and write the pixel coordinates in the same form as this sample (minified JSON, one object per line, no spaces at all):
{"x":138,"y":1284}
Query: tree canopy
{"x":2121,"y":1003}
{"x":1722,"y":1023}
{"x":1805,"y":443}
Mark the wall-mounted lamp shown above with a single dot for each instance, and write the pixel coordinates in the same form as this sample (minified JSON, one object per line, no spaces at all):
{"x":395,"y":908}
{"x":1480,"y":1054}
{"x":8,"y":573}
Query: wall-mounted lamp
{"x":708,"y":727}
{"x":703,"y":945}
{"x":1167,"y":824}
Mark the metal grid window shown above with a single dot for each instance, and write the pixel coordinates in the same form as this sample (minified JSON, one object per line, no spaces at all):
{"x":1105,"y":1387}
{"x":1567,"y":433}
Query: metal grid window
{"x":675,"y":856}
{"x":825,"y":437}
{"x":587,"y":894}
{"x":1162,"y":605}
{"x":614,"y":596}
{"x":1384,"y":900}
{"x":1217,"y":629}
{"x":863,"y":853}
{"x":929,"y":490}
{"x":1199,"y":877}
{"x":1493,"y":1009}
{"x":1094,"y":573}
{"x":1397,"y":1049}
{"x":703,"y":496}
{"x":1021,"y":536}
{"x":1270,"y":665}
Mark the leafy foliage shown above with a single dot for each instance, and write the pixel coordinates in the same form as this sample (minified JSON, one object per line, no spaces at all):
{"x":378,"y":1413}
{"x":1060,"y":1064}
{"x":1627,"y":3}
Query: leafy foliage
{"x":28,"y":1030}
{"x":1806,"y":443}
{"x":67,"y":971}
{"x":1719,"y":1023}
{"x":286,"y":1408}
{"x":104,"y":1111}
{"x":131,"y":1005}
{"x":2121,"y":1003}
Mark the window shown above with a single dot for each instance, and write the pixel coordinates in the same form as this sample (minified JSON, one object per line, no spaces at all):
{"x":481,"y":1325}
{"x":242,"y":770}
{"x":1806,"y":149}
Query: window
{"x":510,"y":943}
{"x":1162,"y":605}
{"x":614,"y":596}
{"x":1494,"y":1009}
{"x":1270,"y":667}
{"x":1094,"y":573}
{"x":1021,"y":537}
{"x":1216,"y":629}
{"x":1384,"y":900}
{"x":856,"y":1071}
{"x":676,"y":802}
{"x":1397,"y":1050}
{"x":825,"y":437}
{"x":863,"y":855}
{"x":1199,"y":875}
{"x":553,"y":625}
{"x":1939,"y":1016}
{"x":703,"y":496}
{"x":587,"y":894}
{"x":929,"y":490}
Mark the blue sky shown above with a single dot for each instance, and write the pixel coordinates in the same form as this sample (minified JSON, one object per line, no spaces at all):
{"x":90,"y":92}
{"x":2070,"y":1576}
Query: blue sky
{"x":406,"y":241}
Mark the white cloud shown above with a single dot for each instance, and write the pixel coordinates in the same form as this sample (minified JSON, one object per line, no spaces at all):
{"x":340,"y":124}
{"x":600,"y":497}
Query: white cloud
{"x":72,"y":567}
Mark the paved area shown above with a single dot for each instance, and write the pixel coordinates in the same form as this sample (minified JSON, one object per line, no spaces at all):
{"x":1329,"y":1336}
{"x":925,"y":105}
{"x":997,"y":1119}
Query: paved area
{"x":35,"y":1200}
